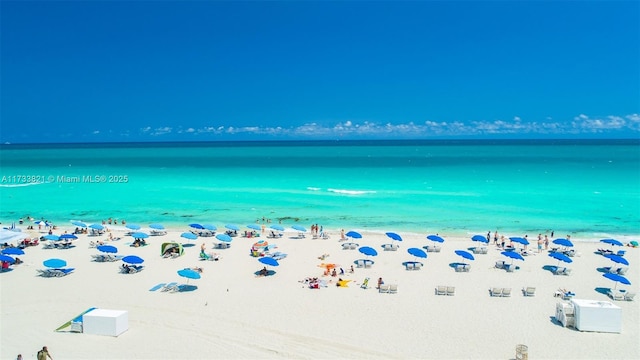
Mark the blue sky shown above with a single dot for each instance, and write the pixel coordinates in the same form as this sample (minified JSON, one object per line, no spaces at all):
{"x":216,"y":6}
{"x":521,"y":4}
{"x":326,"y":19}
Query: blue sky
{"x":79,"y":71}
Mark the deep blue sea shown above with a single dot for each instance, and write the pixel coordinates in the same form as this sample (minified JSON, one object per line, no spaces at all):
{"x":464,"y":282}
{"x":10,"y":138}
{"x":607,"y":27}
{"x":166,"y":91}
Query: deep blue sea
{"x":588,"y":188}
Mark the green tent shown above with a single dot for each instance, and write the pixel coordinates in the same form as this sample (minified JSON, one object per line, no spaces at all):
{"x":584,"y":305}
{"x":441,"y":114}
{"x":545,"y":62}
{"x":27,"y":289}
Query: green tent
{"x":168,"y":248}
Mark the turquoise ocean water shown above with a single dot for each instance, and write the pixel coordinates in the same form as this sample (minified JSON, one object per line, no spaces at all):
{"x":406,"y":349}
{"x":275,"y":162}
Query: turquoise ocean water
{"x":587,"y":188}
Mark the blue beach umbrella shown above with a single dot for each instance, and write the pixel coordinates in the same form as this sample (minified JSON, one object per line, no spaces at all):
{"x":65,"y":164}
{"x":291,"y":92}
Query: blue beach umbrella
{"x":197,"y":226}
{"x":563,"y":242}
{"x":465,"y":254}
{"x":52,"y":237}
{"x":369,"y":251}
{"x":519,"y":240}
{"x":394,"y":236}
{"x":277,"y":227}
{"x":611,"y":242}
{"x":618,"y":279}
{"x":435,"y":238}
{"x":223,"y":237}
{"x":189,"y":236}
{"x":189,"y":274}
{"x":210,"y":227}
{"x":299,"y":228}
{"x":133,"y":259}
{"x":133,"y":226}
{"x":232,"y":227}
{"x":417,"y":252}
{"x":41,"y":222}
{"x":12,"y":251}
{"x":107,"y":249}
{"x":354,"y":234}
{"x":157,"y":226}
{"x":480,"y":238}
{"x":139,"y":235}
{"x":79,"y":223}
{"x":617,"y":259}
{"x":8,"y":259}
{"x":54,"y":263}
{"x":68,"y":237}
{"x":254,"y":227}
{"x":96,"y":227}
{"x":269,"y":261}
{"x":512,"y":255}
{"x":560,"y":257}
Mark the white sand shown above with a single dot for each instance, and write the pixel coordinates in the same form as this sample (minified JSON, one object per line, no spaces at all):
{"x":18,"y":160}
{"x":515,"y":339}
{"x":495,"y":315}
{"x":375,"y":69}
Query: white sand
{"x":234,"y":314}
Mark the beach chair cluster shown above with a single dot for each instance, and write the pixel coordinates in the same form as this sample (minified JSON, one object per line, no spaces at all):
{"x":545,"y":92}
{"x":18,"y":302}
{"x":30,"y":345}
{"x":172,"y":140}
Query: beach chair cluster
{"x":445,"y":290}
{"x":432,"y":248}
{"x":203,"y":233}
{"x":131,"y":269}
{"x":364,"y":263}
{"x":349,"y":246}
{"x":621,"y":295}
{"x":480,"y":250}
{"x":323,"y":236}
{"x":616,"y":270}
{"x":58,"y":245}
{"x":500,"y":292}
{"x":388,"y":289}
{"x":55,"y":272}
{"x":564,"y":294}
{"x":413,"y":265}
{"x":529,"y":291}
{"x":209,"y":256}
{"x":562,"y":271}
{"x":390,"y":247}
{"x":106,"y":258}
{"x":463,"y":267}
{"x":611,"y":252}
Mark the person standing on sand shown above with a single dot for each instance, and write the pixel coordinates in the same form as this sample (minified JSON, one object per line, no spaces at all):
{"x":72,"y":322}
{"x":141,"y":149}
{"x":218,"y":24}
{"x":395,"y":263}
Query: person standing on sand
{"x":546,"y":243}
{"x":495,"y":238}
{"x":43,"y":354}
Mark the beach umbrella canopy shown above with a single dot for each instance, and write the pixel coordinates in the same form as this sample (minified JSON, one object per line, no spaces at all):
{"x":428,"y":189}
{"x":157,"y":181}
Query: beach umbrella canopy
{"x":277,"y":227}
{"x":210,"y":227}
{"x":232,"y":227}
{"x":269,"y":261}
{"x":52,"y":237}
{"x":519,"y":240}
{"x":197,"y":226}
{"x":133,"y":226}
{"x":8,"y":259}
{"x":41,"y":222}
{"x":369,"y":251}
{"x":299,"y":228}
{"x":139,"y":235}
{"x":417,"y":252}
{"x":617,"y":259}
{"x":133,"y":259}
{"x":480,"y":238}
{"x":54,"y":263}
{"x":223,"y":237}
{"x":560,"y":257}
{"x":513,"y":255}
{"x":261,"y":244}
{"x":435,"y":238}
{"x":563,"y":242}
{"x":633,"y":243}
{"x":394,"y":236}
{"x":79,"y":223}
{"x":13,"y":251}
{"x":107,"y":249}
{"x":68,"y":236}
{"x":354,"y":234}
{"x":189,"y":274}
{"x":611,"y":242}
{"x":465,"y":254}
{"x":157,"y":226}
{"x":188,"y":235}
{"x":254,"y":227}
{"x":96,"y":227}
{"x":617,"y":278}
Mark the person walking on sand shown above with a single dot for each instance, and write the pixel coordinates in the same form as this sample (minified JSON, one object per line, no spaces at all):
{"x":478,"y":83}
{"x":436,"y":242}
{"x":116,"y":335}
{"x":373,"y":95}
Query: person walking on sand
{"x":43,"y":354}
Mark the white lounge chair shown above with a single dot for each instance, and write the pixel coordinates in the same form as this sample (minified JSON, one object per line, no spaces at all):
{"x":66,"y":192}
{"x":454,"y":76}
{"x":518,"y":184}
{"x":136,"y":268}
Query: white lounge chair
{"x":451,"y":290}
{"x":499,"y":264}
{"x":506,"y":292}
{"x":441,"y":290}
{"x":384,"y":289}
{"x":497,"y":292}
{"x":393,"y":288}
{"x":616,"y":295}
{"x":173,"y":286}
{"x":529,"y":291}
{"x":629,"y":296}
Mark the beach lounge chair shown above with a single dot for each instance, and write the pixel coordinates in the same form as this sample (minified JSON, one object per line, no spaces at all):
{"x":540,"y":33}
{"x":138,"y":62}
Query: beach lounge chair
{"x":497,"y":292}
{"x":628,"y":296}
{"x":560,"y":271}
{"x":368,"y":264}
{"x":499,"y":264}
{"x":566,"y":271}
{"x":409,"y":266}
{"x":622,"y":270}
{"x":173,"y":286}
{"x":506,"y":292}
{"x":451,"y":290}
{"x":46,"y":272}
{"x":529,"y":291}
{"x":441,"y":290}
{"x":616,"y":295}
{"x":621,"y":252}
{"x":384,"y":289}
{"x":359,"y":263}
{"x":393,"y":289}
